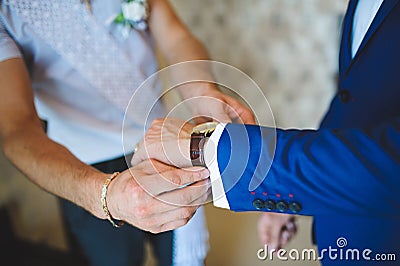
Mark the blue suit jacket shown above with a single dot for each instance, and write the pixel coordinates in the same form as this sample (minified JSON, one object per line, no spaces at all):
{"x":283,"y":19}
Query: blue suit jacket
{"x":347,"y":173}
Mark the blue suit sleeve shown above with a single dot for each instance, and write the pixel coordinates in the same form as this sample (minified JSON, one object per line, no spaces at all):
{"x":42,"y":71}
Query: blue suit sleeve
{"x":322,"y":172}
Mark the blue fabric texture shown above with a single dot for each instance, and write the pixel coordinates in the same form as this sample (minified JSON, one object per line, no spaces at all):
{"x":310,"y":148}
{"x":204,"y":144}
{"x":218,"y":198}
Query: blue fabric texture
{"x":347,"y":173}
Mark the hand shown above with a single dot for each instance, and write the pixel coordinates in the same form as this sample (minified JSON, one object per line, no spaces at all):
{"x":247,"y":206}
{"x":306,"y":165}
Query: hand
{"x":276,"y":229}
{"x":168,"y":141}
{"x":215,"y":105}
{"x":156,"y":197}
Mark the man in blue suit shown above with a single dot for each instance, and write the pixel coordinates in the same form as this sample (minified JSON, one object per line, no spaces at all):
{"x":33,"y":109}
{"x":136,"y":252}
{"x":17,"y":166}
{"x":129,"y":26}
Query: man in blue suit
{"x":347,"y":173}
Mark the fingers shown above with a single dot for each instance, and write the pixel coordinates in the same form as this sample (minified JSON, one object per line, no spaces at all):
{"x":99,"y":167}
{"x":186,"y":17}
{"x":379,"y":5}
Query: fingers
{"x":288,"y":232}
{"x":177,"y":217}
{"x":276,"y":229}
{"x":171,"y":179}
{"x":175,"y":195}
{"x":269,"y":226}
{"x":291,"y":225}
{"x":240,"y":113}
{"x":202,"y":119}
{"x":170,"y":226}
{"x":275,"y":235}
{"x":167,"y":140}
{"x":186,"y":196}
{"x":173,"y":218}
{"x":163,"y":206}
{"x":263,"y":231}
{"x":140,"y":153}
{"x":170,"y":220}
{"x":150,"y":146}
{"x":247,"y":117}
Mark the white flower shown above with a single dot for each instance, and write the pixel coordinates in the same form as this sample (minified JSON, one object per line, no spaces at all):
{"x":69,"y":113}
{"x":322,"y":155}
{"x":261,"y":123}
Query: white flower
{"x":134,"y":11}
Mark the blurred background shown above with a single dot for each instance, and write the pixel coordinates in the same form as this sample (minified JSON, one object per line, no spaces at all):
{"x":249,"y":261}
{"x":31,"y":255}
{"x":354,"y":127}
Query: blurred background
{"x":289,"y":47}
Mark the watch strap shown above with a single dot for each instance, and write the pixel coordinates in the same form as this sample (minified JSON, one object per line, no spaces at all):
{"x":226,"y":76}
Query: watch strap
{"x":196,"y":149}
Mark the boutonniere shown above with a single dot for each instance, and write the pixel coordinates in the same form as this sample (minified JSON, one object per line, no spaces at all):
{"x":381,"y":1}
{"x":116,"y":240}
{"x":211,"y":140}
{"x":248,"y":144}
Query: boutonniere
{"x":134,"y":14}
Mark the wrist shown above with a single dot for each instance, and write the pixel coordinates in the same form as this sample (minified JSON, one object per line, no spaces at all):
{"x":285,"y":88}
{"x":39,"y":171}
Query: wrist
{"x":99,"y":202}
{"x":197,"y":89}
{"x":104,"y":201}
{"x":95,"y":184}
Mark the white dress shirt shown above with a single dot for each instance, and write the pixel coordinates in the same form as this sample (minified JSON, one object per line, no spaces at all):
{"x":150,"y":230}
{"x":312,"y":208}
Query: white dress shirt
{"x":365,"y":13}
{"x":78,"y":116}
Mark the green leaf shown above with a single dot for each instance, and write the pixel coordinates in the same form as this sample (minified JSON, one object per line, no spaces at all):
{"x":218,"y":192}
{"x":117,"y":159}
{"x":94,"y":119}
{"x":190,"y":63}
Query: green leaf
{"x":120,"y":18}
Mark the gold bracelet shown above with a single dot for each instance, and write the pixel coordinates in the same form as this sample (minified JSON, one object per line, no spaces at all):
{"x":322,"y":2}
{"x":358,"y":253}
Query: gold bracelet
{"x":104,"y":201}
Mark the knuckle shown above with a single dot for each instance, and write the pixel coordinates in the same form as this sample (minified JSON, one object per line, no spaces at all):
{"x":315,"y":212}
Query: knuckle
{"x":136,"y":192}
{"x":153,"y":123}
{"x":164,"y":227}
{"x":186,"y":213}
{"x":157,"y":121}
{"x":148,"y":138}
{"x":183,"y":222}
{"x":196,"y":175}
{"x":141,"y":212}
{"x":176,"y":179}
{"x":185,"y":198}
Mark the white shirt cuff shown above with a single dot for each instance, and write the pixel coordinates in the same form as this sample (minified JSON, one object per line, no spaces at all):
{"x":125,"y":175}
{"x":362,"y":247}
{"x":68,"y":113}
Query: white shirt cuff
{"x":210,"y":157}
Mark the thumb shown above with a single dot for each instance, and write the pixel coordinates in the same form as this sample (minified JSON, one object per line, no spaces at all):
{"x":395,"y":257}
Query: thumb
{"x":143,"y":152}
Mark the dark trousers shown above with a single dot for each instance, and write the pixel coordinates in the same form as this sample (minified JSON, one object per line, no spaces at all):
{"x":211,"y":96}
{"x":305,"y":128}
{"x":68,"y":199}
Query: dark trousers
{"x":102,"y":244}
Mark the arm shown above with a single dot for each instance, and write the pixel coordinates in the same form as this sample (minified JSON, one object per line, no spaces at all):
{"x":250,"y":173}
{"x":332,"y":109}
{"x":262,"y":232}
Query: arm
{"x":161,"y":143}
{"x":46,"y":163}
{"x":177,"y":44}
{"x":315,"y":172}
{"x":327,"y":171}
{"x":141,"y":196}
{"x":173,"y":39}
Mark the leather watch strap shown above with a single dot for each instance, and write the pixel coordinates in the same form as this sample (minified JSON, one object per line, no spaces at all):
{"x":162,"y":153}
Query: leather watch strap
{"x":196,"y":149}
{"x":198,"y":137}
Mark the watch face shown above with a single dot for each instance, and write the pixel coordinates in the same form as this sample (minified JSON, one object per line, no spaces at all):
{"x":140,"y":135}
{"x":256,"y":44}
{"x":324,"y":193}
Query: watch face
{"x":205,"y":128}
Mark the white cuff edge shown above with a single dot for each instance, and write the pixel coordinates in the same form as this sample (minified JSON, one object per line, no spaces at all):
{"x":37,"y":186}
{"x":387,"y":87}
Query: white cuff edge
{"x":210,"y":157}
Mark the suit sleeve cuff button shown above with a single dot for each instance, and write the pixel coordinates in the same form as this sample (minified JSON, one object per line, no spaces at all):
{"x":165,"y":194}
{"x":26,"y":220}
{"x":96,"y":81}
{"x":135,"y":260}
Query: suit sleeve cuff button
{"x":258,"y":204}
{"x":270,"y":205}
{"x":295,"y":207}
{"x":282,"y":206}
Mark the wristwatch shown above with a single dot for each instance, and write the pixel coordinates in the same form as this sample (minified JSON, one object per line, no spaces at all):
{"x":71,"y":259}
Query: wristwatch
{"x":198,"y":138}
